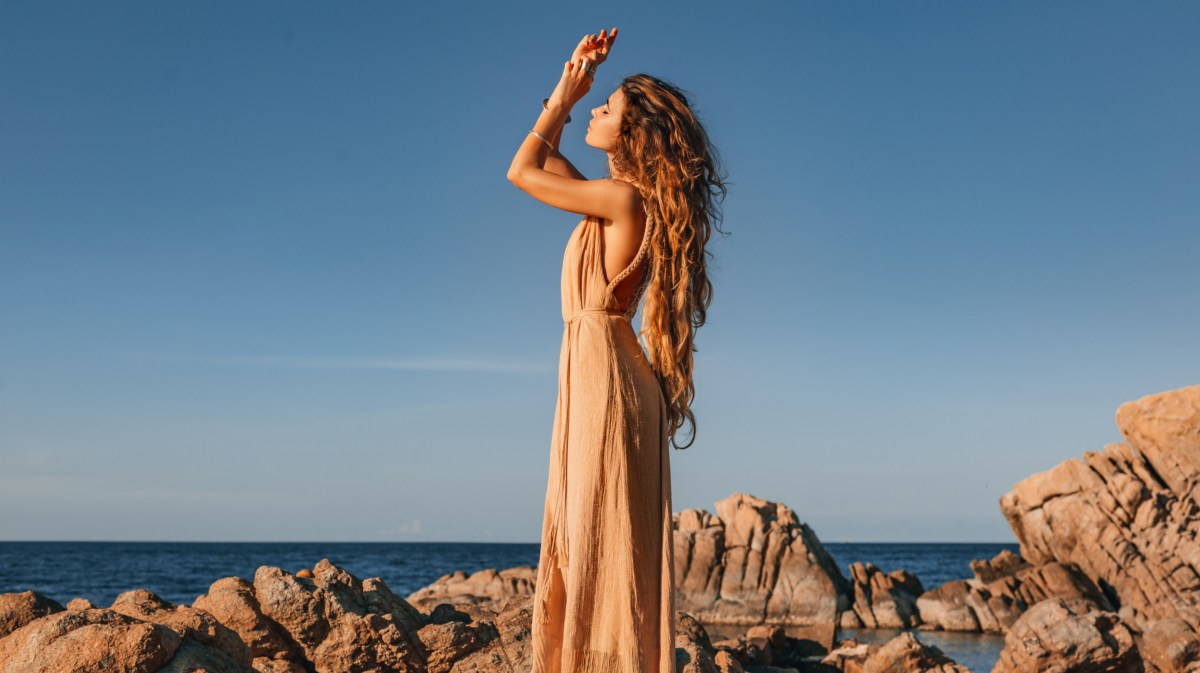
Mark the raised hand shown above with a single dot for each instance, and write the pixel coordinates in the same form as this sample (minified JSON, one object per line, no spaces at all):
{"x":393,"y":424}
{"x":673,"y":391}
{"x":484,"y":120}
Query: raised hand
{"x":595,"y":47}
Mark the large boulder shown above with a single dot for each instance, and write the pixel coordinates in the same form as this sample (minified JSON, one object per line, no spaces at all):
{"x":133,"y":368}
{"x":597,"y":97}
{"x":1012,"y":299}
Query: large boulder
{"x":18,"y":609}
{"x":1058,"y":636}
{"x":1126,"y":516}
{"x":188,"y":622}
{"x":233,"y":602}
{"x":882,"y":600}
{"x":903,"y":653}
{"x":755,"y":562}
{"x":485,"y":587}
{"x":87,"y":641}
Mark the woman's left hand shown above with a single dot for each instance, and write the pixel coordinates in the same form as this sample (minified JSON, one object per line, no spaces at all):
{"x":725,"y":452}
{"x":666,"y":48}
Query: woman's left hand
{"x":595,"y":46}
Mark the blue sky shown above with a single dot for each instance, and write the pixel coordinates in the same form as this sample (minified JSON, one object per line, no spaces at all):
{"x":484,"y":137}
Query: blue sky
{"x":262,"y":276}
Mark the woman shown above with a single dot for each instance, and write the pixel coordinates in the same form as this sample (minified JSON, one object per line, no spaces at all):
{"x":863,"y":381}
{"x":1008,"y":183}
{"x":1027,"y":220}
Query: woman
{"x":604,"y":599}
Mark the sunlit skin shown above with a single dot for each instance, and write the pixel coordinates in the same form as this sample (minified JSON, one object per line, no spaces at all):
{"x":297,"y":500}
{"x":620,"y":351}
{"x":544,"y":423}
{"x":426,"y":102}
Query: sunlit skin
{"x":613,"y":200}
{"x":621,"y":238}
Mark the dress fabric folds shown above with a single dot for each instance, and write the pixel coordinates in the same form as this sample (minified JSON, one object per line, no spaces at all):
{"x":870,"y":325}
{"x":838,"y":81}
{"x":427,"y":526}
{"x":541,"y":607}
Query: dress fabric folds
{"x":604,"y":601}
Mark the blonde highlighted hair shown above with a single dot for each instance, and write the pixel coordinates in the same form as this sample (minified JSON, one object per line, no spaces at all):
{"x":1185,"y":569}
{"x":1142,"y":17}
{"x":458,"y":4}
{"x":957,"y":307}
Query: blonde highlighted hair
{"x":664,"y":150}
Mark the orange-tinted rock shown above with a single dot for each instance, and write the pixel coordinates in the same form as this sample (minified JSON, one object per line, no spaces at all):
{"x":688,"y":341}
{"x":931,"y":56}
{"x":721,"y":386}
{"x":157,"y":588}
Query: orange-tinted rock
{"x":80,"y":604}
{"x":1067,"y":636}
{"x":993,"y":600}
{"x":1171,"y":646}
{"x":341,"y":622}
{"x":882,"y":600}
{"x":18,"y":609}
{"x":752,"y":562}
{"x":231,"y":600}
{"x":87,"y":641}
{"x":485,"y":587}
{"x":1126,"y":516}
{"x":188,"y":622}
{"x":902,"y":654}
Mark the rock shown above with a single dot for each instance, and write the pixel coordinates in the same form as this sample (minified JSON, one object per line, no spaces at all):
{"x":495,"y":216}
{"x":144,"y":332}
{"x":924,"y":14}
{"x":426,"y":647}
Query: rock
{"x":485,"y":587}
{"x":904,"y":654}
{"x":848,"y":656}
{"x":1171,"y":646}
{"x":80,"y":604}
{"x":952,"y":606}
{"x":1068,"y":637}
{"x":1001,"y":591}
{"x":232,"y":602}
{"x":340,"y":622}
{"x":193,"y":657}
{"x":86,"y":641}
{"x":18,"y":609}
{"x":190,"y":623}
{"x":755,"y":562}
{"x":885,"y":600}
{"x":1004,"y":564}
{"x":1126,"y":516}
{"x":727,"y":663}
{"x":265,"y":665}
{"x":901,"y":654}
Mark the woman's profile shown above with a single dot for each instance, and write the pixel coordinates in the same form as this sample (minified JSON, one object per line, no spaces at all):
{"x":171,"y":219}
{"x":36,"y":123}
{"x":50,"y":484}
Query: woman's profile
{"x":604,"y":600}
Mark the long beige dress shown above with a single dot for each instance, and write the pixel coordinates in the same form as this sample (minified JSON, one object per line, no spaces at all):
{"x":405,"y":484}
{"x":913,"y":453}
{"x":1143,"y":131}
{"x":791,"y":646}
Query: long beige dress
{"x":604,"y":600}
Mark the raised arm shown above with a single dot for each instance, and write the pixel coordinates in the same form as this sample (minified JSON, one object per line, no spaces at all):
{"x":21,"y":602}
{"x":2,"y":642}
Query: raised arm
{"x":557,"y":163}
{"x":542,"y":171}
{"x":606,"y":198}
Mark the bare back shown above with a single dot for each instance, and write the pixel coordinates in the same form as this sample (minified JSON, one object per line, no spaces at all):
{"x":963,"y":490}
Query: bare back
{"x":622,"y":238}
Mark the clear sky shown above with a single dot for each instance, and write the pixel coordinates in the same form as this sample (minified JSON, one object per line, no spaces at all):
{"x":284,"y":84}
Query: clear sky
{"x":262,"y":276}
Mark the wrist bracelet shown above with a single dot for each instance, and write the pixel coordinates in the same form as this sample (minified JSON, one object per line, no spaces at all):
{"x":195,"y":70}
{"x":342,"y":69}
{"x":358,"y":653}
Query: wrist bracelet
{"x":543,"y":139}
{"x":544,"y":107}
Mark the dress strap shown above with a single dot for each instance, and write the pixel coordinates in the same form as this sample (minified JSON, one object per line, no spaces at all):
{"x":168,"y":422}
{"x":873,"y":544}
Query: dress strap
{"x":637,"y":259}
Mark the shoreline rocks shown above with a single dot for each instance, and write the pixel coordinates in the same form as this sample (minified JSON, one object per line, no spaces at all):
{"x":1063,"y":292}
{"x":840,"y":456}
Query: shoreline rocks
{"x":1108,"y":579}
{"x":328,"y":621}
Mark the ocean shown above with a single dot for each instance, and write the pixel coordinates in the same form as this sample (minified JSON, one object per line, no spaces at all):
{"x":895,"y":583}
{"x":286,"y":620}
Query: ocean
{"x":181,"y":571}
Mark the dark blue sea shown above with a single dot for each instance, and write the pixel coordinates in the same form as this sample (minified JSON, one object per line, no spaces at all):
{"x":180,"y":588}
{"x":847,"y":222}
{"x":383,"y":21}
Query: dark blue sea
{"x":181,"y":571}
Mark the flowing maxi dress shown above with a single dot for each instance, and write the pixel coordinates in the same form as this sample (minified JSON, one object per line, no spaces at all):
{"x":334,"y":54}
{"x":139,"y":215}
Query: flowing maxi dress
{"x":604,"y":600}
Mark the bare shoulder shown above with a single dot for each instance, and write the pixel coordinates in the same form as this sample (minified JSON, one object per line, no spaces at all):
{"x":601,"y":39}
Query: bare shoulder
{"x":628,"y":201}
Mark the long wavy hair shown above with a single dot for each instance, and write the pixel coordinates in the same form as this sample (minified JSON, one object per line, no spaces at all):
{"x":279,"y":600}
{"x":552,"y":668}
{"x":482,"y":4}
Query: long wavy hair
{"x":664,"y":150}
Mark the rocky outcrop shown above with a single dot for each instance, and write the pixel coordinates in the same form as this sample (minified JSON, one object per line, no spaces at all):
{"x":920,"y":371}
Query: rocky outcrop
{"x":882,"y":601}
{"x":754,"y":562}
{"x":1002,"y":589}
{"x":190,"y":623}
{"x":89,"y":640}
{"x":485,"y":587}
{"x":1171,"y":646}
{"x":1127,"y":516}
{"x":901,"y":654}
{"x":328,"y":621}
{"x":17,"y":610}
{"x":1069,"y":637}
{"x":234,"y":603}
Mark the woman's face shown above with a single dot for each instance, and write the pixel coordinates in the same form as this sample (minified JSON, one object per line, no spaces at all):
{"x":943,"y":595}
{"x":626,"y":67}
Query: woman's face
{"x":604,"y":128}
